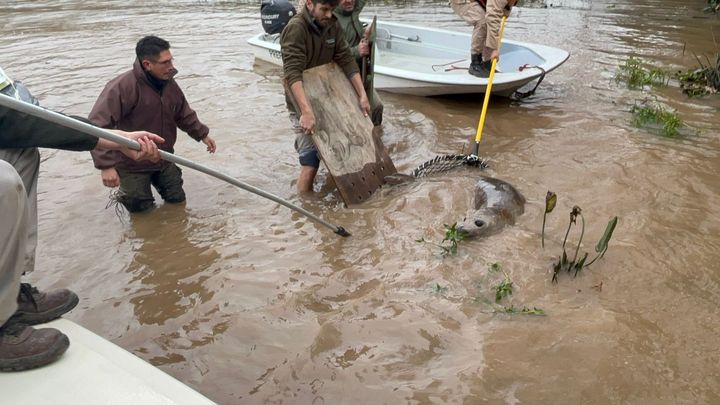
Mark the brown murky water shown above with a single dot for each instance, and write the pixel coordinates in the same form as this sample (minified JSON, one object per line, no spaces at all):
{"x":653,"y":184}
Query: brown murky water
{"x":250,"y":303}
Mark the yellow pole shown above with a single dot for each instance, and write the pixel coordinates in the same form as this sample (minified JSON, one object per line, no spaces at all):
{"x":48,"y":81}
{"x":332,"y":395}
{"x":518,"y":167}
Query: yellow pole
{"x":481,"y":123}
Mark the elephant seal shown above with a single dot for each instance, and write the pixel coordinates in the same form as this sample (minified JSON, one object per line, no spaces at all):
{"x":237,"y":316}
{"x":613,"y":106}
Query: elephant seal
{"x":497,"y":204}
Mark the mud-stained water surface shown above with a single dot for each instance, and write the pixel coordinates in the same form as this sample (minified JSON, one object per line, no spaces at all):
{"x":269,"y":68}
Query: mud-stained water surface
{"x":248,"y":302}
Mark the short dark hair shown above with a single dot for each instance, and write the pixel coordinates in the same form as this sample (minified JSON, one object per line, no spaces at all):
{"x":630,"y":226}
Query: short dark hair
{"x":331,"y":3}
{"x":150,"y":46}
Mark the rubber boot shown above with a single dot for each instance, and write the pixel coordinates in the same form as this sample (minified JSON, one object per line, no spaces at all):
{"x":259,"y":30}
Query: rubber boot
{"x":478,"y":67}
{"x":39,"y":307}
{"x":23,"y":347}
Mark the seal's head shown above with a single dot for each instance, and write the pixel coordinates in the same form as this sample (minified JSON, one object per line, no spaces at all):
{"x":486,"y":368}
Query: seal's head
{"x":476,"y":224}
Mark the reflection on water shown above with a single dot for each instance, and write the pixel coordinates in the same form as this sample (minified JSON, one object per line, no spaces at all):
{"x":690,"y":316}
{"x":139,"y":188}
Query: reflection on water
{"x":251,"y":303}
{"x":169,"y":267}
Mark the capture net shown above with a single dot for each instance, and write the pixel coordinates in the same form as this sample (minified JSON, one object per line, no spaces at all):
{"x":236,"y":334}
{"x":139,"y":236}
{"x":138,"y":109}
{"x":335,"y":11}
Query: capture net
{"x":445,"y":163}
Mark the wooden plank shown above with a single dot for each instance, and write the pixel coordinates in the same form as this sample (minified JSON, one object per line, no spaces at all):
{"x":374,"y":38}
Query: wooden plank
{"x":347,"y":141}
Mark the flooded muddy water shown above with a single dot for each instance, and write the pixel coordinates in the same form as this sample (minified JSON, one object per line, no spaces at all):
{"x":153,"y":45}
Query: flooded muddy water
{"x":248,"y":302}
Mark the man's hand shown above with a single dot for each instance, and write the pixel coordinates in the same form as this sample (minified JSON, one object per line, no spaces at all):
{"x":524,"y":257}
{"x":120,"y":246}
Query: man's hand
{"x":307,"y":122}
{"x":364,"y":48}
{"x":365,"y":104}
{"x":495,"y":55}
{"x":210,"y":143}
{"x":148,"y":148}
{"x":110,"y":177}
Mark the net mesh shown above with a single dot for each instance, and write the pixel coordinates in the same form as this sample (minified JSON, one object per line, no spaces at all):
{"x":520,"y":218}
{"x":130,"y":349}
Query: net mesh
{"x":445,"y":163}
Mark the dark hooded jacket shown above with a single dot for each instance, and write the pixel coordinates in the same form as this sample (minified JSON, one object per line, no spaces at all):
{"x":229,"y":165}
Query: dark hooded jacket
{"x":131,"y":103}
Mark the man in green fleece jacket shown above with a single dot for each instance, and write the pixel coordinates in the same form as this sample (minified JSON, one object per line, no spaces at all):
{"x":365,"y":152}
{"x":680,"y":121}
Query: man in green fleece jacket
{"x":348,"y":16}
{"x":313,"y":38}
{"x":21,"y":305}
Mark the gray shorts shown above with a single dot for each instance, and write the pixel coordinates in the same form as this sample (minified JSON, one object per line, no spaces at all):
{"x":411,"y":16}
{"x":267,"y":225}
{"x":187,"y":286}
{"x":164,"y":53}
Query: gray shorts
{"x":308,"y":154}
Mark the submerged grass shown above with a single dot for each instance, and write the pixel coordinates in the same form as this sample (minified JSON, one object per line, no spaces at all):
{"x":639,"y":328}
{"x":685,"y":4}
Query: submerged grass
{"x":652,"y":114}
{"x":637,"y":74}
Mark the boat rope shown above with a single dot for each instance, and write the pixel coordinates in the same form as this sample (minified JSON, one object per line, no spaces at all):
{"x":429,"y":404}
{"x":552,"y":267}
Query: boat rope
{"x":445,"y":67}
{"x":519,"y":95}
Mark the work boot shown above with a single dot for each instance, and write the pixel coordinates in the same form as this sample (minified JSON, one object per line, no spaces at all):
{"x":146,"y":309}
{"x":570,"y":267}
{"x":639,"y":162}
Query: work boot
{"x":39,"y":307}
{"x":478,"y":67}
{"x":23,"y":347}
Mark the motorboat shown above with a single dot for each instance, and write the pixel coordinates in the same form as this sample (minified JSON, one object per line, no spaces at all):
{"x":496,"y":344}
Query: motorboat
{"x":426,"y":61}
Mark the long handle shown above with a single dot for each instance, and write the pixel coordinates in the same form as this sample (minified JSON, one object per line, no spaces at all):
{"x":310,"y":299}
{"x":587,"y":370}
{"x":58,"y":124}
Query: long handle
{"x":481,"y":123}
{"x":68,"y":122}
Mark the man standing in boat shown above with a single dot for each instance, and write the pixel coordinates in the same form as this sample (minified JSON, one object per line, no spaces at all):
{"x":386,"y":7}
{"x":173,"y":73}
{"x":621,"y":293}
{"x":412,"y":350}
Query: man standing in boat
{"x":485,"y":16}
{"x":146,"y":98}
{"x":348,"y":16}
{"x":21,"y":346}
{"x":312,"y":38}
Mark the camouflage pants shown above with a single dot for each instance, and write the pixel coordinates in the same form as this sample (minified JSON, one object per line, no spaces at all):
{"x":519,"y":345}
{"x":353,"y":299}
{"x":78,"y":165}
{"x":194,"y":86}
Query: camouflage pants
{"x":474,"y":15}
{"x":135,"y":192}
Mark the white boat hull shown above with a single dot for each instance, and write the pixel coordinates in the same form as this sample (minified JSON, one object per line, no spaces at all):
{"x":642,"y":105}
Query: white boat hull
{"x":430,"y":62}
{"x":94,"y":371}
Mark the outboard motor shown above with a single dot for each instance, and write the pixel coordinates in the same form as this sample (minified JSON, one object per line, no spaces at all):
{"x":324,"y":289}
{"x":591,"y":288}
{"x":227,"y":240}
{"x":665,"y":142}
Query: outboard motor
{"x":275,"y":15}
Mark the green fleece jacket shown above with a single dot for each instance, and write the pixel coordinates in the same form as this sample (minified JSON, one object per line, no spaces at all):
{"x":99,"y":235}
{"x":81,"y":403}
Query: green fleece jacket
{"x":351,"y":26}
{"x":305,"y":45}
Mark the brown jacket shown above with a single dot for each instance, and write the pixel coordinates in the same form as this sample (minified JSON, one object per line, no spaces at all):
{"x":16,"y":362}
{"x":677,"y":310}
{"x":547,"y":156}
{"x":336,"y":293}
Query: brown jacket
{"x":305,"y":45}
{"x":130,"y":103}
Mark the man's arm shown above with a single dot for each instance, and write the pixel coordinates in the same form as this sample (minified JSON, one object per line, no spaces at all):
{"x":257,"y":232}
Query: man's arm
{"x":357,"y":83}
{"x":292,"y":45}
{"x":343,"y":56}
{"x":107,"y":113}
{"x":307,"y":117}
{"x":148,"y":145}
{"x":493,"y":17}
{"x":19,"y":131}
{"x":187,"y":120}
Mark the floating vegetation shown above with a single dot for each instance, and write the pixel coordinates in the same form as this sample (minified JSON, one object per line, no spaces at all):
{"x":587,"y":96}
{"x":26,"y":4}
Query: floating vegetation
{"x":512,"y":309}
{"x":439,"y":289}
{"x":636,"y":75}
{"x":701,"y":81}
{"x":654,"y":115}
{"x":575,"y":265}
{"x":503,"y":290}
{"x":452,"y":236}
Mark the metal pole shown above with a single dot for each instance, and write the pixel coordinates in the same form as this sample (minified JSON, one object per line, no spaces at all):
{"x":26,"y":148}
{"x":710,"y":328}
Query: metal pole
{"x":80,"y":126}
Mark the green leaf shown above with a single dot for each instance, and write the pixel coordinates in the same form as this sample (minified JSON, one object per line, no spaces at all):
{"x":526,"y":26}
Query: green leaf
{"x":602,"y":245}
{"x":550,"y":201}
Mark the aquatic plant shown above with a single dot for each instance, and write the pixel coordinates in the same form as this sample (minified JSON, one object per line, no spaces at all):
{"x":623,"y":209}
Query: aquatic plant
{"x":636,"y":75}
{"x":505,"y":288}
{"x":452,"y":235}
{"x":512,"y":309}
{"x":439,"y":289}
{"x":501,"y":291}
{"x":701,"y":81}
{"x":575,"y":265}
{"x":550,"y":202}
{"x":653,"y":113}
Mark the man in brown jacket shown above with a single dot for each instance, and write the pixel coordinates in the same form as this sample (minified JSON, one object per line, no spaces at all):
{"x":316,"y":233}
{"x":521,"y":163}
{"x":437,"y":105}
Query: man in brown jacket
{"x":485,"y":17}
{"x":146,"y":98}
{"x":313,"y":38}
